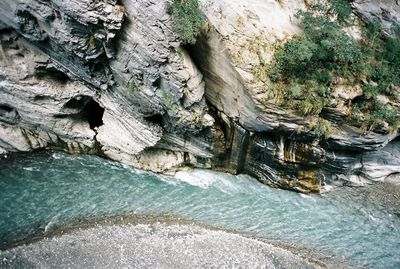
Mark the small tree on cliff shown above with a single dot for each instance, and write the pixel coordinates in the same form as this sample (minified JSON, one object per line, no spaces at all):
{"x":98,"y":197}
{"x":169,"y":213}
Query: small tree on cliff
{"x":309,"y":67}
{"x":187,"y":19}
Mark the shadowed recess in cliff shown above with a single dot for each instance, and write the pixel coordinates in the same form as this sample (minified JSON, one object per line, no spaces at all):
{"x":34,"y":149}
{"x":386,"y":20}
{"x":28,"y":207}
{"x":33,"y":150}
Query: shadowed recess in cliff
{"x":84,"y":108}
{"x":94,"y":114}
{"x":237,"y":136}
{"x":239,"y":146}
{"x":51,"y":74}
{"x":156,"y":119}
{"x":9,"y":114}
{"x":29,"y":26}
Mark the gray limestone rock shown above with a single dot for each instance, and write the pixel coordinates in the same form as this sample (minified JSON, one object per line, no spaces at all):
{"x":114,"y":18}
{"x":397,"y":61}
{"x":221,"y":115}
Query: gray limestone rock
{"x":66,"y":83}
{"x":384,"y":12}
{"x":110,"y":79}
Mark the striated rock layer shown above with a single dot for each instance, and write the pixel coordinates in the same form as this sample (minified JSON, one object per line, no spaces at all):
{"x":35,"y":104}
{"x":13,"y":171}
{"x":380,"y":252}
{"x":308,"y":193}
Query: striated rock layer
{"x":112,"y":78}
{"x":67,"y":83}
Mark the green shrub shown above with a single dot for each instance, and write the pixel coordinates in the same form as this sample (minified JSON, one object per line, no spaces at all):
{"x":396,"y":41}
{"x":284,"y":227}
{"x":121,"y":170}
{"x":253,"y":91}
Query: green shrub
{"x":309,"y":106}
{"x":392,"y":52}
{"x":322,"y":54}
{"x":171,"y":105}
{"x":385,"y":113}
{"x":322,"y":128}
{"x":372,"y":114}
{"x":309,"y":66}
{"x":306,"y":98}
{"x":370,"y":91}
{"x":342,"y":10}
{"x":384,"y":65}
{"x":187,"y":19}
{"x":292,"y":58}
{"x":131,"y":87}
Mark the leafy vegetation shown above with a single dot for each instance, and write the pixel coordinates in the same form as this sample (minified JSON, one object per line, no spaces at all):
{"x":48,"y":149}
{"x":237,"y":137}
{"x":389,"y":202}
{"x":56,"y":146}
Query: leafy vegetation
{"x":187,"y":19}
{"x":322,"y":128}
{"x":170,"y":103}
{"x":307,"y":68}
{"x":131,"y":87}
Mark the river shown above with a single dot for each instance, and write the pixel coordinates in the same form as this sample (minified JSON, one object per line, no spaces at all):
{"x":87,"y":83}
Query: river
{"x":43,"y":192}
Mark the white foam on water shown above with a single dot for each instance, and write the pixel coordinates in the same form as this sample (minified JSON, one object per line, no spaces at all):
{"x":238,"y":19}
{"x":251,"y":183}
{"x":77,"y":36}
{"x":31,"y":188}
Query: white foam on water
{"x":205,"y":179}
{"x":307,"y":196}
{"x":29,"y":168}
{"x":50,"y":224}
{"x":58,"y":155}
{"x":168,"y":180}
{"x":195,"y":178}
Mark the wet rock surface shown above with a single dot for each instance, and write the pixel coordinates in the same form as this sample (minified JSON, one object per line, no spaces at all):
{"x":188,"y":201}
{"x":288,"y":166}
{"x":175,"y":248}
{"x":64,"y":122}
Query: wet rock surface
{"x":156,"y":245}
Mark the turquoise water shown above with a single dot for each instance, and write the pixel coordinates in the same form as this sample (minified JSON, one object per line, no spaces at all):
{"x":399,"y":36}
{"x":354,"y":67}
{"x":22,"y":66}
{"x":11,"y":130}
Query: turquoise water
{"x":42,"y":190}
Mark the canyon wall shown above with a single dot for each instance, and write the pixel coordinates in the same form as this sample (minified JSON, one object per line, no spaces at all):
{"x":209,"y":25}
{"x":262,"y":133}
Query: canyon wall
{"x":112,"y":78}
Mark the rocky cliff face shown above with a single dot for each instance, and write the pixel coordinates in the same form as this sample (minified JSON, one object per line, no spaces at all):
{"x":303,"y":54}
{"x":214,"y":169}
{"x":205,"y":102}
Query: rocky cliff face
{"x":74,"y":78}
{"x":112,"y":79}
